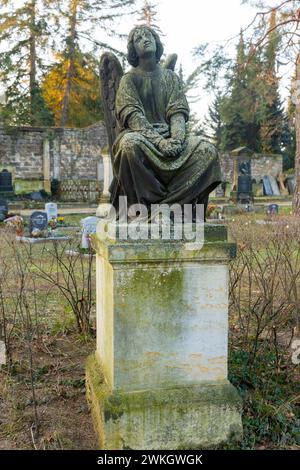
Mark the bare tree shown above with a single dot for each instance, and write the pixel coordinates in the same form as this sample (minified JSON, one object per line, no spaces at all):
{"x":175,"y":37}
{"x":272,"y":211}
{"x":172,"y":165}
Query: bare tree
{"x":288,"y":26}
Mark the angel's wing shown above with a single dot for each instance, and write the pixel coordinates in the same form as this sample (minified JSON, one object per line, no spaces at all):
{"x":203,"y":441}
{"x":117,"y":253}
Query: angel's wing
{"x":110,"y":75}
{"x":170,"y":62}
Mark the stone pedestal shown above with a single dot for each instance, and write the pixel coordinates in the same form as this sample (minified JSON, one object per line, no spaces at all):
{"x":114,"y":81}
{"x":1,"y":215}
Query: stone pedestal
{"x":158,"y":379}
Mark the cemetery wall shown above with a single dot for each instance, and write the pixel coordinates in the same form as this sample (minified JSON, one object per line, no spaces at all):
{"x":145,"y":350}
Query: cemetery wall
{"x":261,"y":165}
{"x":36,"y":154}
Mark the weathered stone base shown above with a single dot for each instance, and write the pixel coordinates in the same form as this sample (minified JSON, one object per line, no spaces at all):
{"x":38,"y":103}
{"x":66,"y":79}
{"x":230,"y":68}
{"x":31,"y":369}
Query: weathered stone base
{"x":187,"y":417}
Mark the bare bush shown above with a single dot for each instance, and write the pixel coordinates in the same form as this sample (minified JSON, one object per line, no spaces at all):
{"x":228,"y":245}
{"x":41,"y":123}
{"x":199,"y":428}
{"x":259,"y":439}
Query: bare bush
{"x":265,"y":284}
{"x":70,"y":272}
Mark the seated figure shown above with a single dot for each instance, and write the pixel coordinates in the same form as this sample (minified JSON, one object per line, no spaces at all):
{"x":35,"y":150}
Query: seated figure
{"x":155,"y":161}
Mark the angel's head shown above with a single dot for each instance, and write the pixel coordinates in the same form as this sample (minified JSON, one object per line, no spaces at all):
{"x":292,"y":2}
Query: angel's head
{"x":143,"y":38}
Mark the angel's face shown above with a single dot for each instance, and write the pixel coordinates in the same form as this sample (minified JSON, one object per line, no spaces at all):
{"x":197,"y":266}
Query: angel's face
{"x":144,"y":42}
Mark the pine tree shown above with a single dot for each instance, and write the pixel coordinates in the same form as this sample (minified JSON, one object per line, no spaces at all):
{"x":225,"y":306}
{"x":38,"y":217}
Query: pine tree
{"x":240,"y":108}
{"x":214,"y":124}
{"x":289,"y":134}
{"x":23,"y":33}
{"x":271,"y":109}
{"x":100,"y":16}
{"x":149,"y":14}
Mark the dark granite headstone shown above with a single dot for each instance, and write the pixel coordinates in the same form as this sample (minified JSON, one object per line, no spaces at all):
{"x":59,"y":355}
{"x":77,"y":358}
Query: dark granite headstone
{"x":244,"y":166}
{"x":291,"y":184}
{"x":267,"y":186}
{"x":36,"y":196}
{"x":5,"y":181}
{"x":273,"y":209}
{"x":274,"y":186}
{"x":38,"y":220}
{"x":3,"y":210}
{"x":244,"y":188}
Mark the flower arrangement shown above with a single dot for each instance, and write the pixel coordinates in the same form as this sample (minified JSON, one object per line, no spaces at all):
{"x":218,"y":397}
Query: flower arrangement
{"x":16,"y":224}
{"x":52,"y":223}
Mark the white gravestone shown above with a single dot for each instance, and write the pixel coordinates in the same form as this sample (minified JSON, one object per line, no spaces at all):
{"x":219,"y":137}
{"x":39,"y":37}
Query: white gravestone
{"x":51,"y":210}
{"x":89,"y":226}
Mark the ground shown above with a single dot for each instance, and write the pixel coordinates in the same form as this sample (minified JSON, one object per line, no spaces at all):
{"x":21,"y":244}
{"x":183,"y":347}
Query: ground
{"x":65,"y":421}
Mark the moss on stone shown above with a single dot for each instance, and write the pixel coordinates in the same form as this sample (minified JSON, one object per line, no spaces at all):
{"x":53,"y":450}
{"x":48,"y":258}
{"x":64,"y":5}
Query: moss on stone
{"x":151,"y":418}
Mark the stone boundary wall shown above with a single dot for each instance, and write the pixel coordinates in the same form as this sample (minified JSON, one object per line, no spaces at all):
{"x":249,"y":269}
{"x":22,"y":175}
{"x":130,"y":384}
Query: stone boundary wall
{"x":36,"y":155}
{"x":39,"y":153}
{"x":261,"y":165}
{"x":83,"y":190}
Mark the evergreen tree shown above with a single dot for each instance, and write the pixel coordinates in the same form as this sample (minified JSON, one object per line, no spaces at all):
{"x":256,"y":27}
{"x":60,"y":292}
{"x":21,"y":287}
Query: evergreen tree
{"x":149,"y":14}
{"x":23,"y":34}
{"x":240,"y":108}
{"x":271,"y":109}
{"x":288,"y":26}
{"x":289,"y":134}
{"x":214,"y":124}
{"x":100,"y":15}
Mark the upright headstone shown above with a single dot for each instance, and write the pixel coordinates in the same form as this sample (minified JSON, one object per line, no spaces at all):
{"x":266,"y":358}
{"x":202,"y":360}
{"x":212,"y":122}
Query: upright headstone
{"x":244,"y":187}
{"x":51,"y":210}
{"x":242,"y":181}
{"x":220,"y":191}
{"x":6,"y":181}
{"x":274,"y":186}
{"x":273,"y":209}
{"x":267,"y":186}
{"x":89,"y":226}
{"x":38,"y":223}
{"x":291,"y":184}
{"x":3,"y":210}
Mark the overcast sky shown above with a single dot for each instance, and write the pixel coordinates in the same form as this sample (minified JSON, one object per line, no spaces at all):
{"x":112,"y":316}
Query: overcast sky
{"x":188,"y":23}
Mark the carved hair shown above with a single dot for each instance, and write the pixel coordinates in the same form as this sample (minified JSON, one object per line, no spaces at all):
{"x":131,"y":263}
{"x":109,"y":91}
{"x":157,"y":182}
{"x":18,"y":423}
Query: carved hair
{"x":132,"y":56}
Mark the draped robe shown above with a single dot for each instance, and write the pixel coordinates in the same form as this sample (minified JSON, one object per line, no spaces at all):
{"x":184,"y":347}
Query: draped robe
{"x":145,"y":103}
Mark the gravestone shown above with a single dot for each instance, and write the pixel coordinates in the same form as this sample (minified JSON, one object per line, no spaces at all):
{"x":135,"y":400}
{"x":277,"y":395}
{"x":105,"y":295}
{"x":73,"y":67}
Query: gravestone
{"x":274,"y":186}
{"x":219,"y":191}
{"x":51,"y":210}
{"x":36,"y":196}
{"x":291,"y":184}
{"x":6,"y":181}
{"x":89,"y":226}
{"x":267,"y":186}
{"x":244,"y":188}
{"x":273,"y":209}
{"x":38,"y":222}
{"x":3,"y":210}
{"x":242,"y":181}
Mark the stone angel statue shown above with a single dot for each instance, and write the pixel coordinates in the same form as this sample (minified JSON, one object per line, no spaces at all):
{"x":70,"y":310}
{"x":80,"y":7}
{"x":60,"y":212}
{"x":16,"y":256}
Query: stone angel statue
{"x":155,"y":160}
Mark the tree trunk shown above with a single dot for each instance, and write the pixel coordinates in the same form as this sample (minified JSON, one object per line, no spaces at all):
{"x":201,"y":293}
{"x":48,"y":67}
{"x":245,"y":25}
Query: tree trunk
{"x":71,"y":66}
{"x":296,"y":197}
{"x":32,"y":60}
